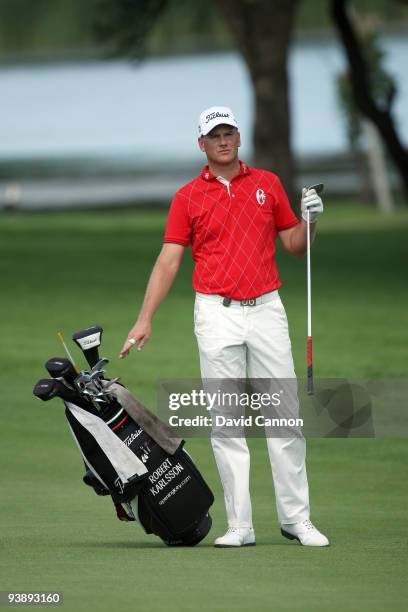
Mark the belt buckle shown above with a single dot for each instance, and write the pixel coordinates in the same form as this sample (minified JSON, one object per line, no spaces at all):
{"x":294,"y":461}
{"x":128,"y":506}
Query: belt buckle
{"x":248,"y":302}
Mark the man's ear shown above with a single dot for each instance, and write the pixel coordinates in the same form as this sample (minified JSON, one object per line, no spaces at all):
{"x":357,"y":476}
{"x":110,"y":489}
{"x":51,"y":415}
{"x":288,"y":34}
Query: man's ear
{"x":201,"y":144}
{"x":239,"y":140}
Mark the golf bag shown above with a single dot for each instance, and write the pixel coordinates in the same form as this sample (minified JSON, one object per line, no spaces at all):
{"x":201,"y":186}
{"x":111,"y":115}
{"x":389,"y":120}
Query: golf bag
{"x":129,"y":453}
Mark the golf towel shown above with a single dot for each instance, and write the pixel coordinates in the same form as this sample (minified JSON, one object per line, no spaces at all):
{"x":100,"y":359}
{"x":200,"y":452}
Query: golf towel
{"x":161,"y":433}
{"x":123,"y":460}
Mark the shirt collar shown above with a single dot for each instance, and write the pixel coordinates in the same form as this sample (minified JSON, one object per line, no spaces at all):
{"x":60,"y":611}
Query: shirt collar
{"x":209,"y":176}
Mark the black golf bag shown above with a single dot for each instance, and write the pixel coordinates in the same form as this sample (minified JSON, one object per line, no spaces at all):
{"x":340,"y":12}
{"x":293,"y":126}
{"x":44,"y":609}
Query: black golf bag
{"x":130,"y":454}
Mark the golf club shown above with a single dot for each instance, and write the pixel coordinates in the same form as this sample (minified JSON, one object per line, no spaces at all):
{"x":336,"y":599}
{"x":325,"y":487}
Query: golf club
{"x":61,"y":367}
{"x":310,"y":390}
{"x":48,"y":388}
{"x":88,"y":341}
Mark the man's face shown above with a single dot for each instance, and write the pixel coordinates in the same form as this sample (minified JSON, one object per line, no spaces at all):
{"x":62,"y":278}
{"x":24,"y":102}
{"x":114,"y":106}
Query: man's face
{"x":221,"y":144}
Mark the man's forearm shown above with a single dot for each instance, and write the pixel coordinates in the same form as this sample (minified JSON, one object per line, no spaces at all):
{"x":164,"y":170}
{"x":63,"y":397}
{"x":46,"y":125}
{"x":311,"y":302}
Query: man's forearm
{"x":298,"y":238}
{"x":160,"y":281}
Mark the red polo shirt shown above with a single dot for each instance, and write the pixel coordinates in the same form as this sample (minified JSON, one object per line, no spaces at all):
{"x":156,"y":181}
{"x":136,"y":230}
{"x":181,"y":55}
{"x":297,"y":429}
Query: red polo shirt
{"x":232,"y":230}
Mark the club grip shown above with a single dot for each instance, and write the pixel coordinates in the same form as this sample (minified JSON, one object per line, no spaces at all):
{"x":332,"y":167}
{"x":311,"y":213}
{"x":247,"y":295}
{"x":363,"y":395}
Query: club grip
{"x":310,"y":389}
{"x":309,"y":366}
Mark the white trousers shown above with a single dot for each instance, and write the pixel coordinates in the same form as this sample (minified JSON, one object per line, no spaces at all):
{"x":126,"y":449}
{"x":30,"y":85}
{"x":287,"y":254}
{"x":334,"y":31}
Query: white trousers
{"x":252,"y":342}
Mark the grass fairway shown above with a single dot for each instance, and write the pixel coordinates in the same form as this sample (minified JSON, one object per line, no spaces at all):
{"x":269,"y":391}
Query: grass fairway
{"x":70,"y":270}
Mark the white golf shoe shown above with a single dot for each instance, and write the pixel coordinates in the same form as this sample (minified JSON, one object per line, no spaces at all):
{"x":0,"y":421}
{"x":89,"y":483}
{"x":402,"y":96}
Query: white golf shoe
{"x":305,"y":533}
{"x":243,"y":536}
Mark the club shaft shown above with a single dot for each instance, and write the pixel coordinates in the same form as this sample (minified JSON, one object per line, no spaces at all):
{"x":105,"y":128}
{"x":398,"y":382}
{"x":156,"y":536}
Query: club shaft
{"x":309,"y":312}
{"x":309,"y":280}
{"x":61,"y":337}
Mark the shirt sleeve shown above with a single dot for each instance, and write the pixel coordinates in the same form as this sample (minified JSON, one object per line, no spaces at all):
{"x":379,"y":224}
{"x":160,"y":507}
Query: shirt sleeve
{"x":178,"y":226}
{"x":284,"y":215}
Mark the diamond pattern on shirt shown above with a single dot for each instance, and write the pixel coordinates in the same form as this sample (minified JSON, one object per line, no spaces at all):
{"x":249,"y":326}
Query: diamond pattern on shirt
{"x":232,"y":234}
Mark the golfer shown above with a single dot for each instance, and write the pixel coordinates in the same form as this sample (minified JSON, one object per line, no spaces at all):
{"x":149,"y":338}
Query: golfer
{"x":230,"y":215}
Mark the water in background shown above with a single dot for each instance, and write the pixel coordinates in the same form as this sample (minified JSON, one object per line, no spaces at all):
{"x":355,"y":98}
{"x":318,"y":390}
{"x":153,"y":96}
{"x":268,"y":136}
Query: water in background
{"x":139,"y":122}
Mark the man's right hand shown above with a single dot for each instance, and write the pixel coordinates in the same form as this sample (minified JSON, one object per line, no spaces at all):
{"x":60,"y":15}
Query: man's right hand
{"x":138,"y":336}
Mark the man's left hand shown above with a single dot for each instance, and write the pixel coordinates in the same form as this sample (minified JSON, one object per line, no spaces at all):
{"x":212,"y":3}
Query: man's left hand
{"x":312,"y":202}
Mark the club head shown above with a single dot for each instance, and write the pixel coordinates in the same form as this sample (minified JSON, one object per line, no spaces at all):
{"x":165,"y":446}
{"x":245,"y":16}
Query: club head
{"x":100,"y":400}
{"x":84,"y":376}
{"x":89,"y":341}
{"x":318,"y":187}
{"x":97,"y":376}
{"x":46,"y":389}
{"x":82,"y":379}
{"x":107,"y":383}
{"x":99,"y":366}
{"x":61,"y":367}
{"x":91,"y":386}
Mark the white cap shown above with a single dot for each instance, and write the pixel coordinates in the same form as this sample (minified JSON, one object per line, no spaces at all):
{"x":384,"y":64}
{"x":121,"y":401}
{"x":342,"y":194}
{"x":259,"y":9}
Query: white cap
{"x":213,"y":116}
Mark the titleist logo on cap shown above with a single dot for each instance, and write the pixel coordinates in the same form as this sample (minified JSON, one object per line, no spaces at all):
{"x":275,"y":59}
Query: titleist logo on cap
{"x":213,"y":116}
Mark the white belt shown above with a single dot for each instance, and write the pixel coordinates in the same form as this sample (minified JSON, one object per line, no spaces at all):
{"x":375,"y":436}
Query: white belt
{"x":262,"y":299}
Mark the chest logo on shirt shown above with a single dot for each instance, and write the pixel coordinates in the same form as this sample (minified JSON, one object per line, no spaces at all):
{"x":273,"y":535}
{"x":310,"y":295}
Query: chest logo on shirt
{"x":260,"y":197}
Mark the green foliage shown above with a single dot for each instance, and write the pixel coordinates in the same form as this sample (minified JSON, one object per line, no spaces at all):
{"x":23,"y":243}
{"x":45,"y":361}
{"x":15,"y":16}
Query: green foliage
{"x":49,"y":27}
{"x":351,"y":114}
{"x":45,"y":26}
{"x":136,"y":28}
{"x":315,"y":14}
{"x":100,"y":26}
{"x":124,"y":25}
{"x":382,"y":85}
